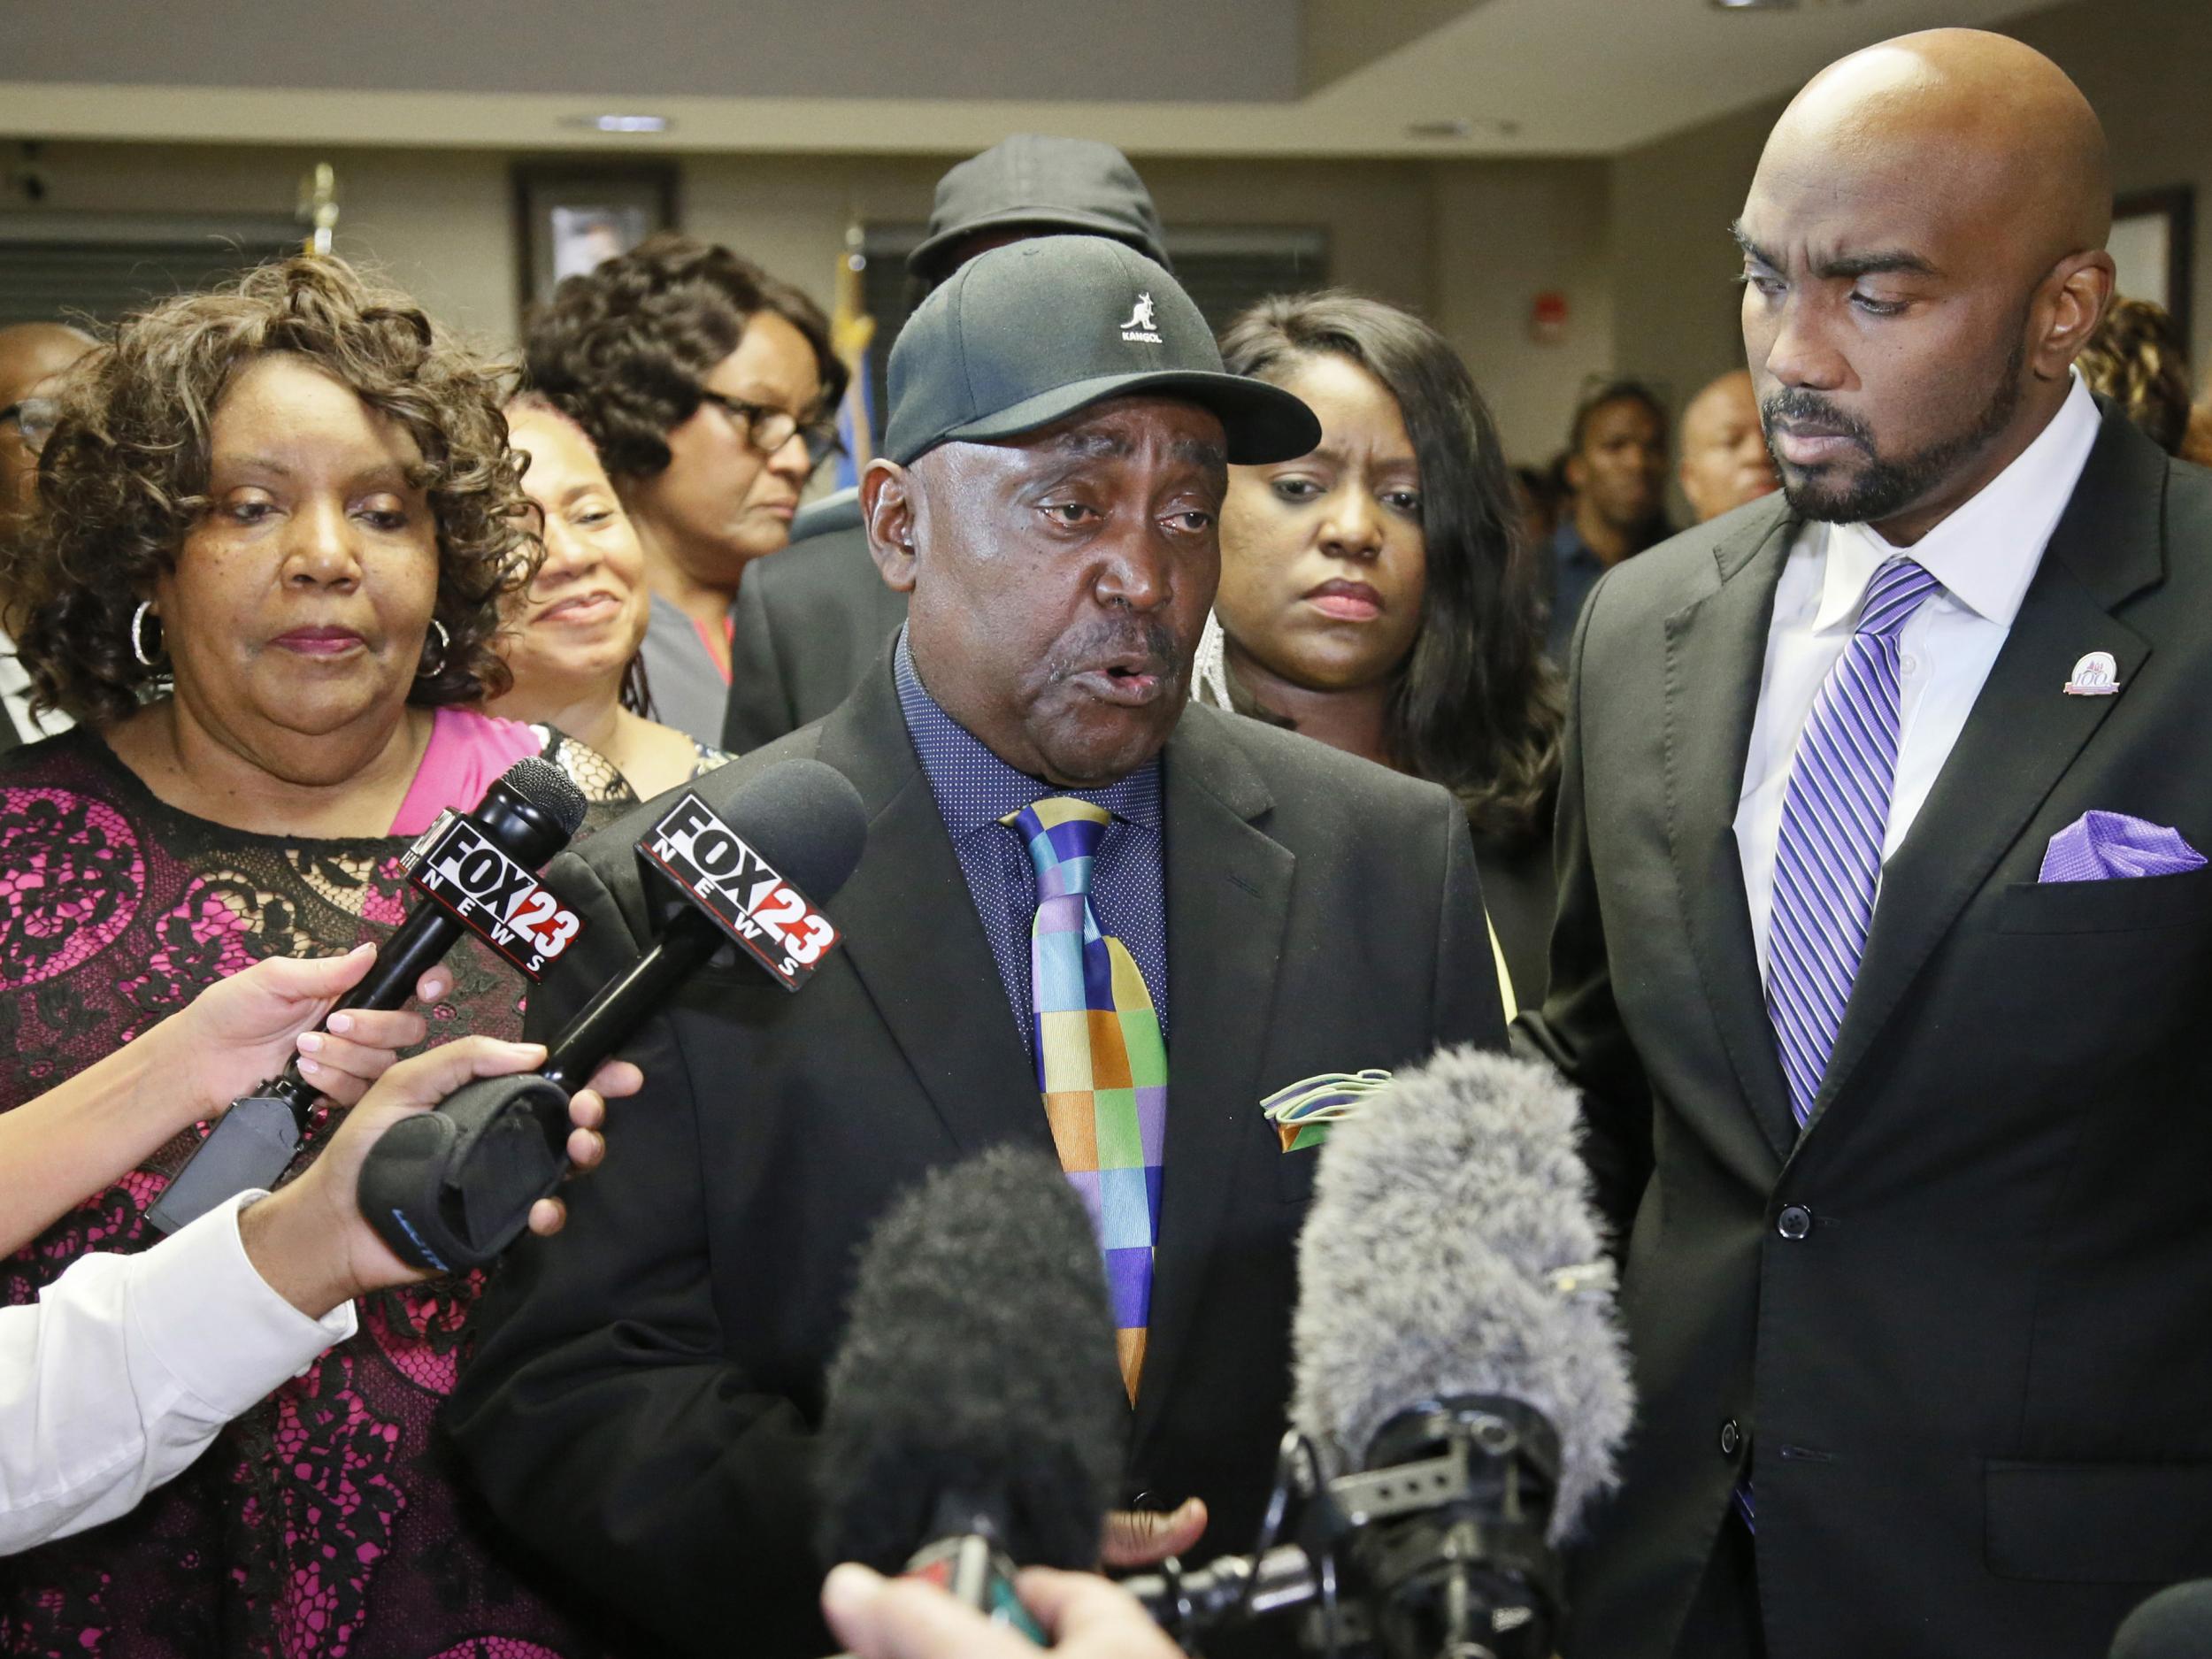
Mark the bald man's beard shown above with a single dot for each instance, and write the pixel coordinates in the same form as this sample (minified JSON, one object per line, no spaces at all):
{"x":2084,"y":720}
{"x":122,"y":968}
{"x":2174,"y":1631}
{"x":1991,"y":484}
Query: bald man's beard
{"x":1887,"y":485}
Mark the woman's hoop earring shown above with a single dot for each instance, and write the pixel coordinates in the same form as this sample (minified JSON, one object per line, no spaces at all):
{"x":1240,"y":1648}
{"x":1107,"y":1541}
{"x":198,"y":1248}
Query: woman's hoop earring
{"x":423,"y":670}
{"x":146,"y":658}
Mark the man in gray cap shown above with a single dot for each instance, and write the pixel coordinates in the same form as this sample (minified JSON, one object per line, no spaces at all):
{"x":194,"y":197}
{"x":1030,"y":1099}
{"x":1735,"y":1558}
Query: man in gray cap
{"x":806,"y":627}
{"x":1217,"y":910}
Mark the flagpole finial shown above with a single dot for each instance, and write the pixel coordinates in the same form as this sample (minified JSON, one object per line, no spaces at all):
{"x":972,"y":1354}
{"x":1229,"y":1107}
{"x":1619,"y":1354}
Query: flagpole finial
{"x":319,"y":206}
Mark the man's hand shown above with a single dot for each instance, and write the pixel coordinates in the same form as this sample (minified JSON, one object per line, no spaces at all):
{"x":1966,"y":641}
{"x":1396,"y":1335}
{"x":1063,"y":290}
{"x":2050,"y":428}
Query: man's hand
{"x":1142,"y":1538}
{"x":243,"y":1030}
{"x":1086,"y":1617}
{"x":310,"y":1240}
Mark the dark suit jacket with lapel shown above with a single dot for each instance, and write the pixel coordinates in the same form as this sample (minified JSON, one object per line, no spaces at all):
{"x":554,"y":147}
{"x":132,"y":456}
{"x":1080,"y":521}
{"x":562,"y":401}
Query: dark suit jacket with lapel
{"x":809,"y":625}
{"x":1979,"y":1388}
{"x":644,"y":1386}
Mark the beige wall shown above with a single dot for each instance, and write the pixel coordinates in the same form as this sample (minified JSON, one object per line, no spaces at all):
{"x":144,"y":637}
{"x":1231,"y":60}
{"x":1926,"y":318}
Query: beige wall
{"x":1467,"y":244}
{"x":2140,"y":62}
{"x":1505,"y":233}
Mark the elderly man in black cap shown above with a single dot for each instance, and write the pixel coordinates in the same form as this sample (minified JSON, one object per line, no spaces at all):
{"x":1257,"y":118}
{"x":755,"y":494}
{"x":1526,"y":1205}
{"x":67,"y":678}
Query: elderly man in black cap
{"x":643,"y":1402}
{"x":806,"y":627}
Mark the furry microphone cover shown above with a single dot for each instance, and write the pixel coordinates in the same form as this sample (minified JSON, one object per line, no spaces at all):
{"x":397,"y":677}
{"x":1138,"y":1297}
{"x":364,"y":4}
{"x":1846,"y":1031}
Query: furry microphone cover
{"x":1441,"y":1214}
{"x":979,"y":1367}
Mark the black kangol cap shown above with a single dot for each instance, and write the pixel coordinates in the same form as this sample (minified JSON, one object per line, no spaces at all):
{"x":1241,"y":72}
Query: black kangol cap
{"x":1053,"y":184}
{"x":1026,"y":334}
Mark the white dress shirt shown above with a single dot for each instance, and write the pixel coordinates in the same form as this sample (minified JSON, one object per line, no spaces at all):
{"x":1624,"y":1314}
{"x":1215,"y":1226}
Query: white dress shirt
{"x":1984,"y":555}
{"x":15,"y":694}
{"x":128,"y":1365}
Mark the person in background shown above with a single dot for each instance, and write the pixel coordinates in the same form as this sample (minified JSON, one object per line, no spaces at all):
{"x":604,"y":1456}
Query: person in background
{"x":33,"y":357}
{"x":127,"y":1366}
{"x":574,"y":639}
{"x":1376,"y":594}
{"x":807,"y":628}
{"x":2135,"y":359}
{"x":1724,"y":460}
{"x":277,"y":523}
{"x":707,"y":387}
{"x":1617,"y":470}
{"x":2196,"y":442}
{"x":1535,"y":496}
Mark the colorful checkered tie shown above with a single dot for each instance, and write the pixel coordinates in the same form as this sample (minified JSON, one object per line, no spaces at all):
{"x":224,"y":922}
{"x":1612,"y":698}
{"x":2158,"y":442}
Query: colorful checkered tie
{"x":1101,"y":1062}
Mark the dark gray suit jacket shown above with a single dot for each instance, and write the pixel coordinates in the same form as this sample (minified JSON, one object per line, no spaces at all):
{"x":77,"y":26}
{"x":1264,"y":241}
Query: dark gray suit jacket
{"x":809,"y":624}
{"x":1963,"y":1324}
{"x":645,"y":1386}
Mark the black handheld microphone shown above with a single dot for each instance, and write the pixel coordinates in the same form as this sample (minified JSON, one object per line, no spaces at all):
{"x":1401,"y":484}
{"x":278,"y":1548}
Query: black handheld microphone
{"x":975,"y":1413}
{"x":452,"y":1189}
{"x":1460,"y":1383}
{"x":528,"y":814}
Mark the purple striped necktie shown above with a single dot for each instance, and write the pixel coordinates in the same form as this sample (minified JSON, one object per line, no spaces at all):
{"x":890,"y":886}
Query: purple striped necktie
{"x":1835,"y":814}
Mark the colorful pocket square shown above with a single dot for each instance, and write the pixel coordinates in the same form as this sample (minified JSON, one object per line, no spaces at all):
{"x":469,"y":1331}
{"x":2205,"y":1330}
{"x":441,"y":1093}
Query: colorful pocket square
{"x":1303,"y":1112}
{"x":2112,"y":846}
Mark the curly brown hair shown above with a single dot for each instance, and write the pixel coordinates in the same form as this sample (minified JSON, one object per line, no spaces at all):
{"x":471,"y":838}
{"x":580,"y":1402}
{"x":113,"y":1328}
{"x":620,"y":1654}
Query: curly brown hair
{"x":123,"y":477}
{"x":2135,"y":358}
{"x":625,"y":348}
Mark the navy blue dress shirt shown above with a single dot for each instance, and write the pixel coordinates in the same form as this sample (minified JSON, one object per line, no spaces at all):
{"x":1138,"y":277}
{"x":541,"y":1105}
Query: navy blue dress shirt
{"x":974,"y":789}
{"x":1575,"y":571}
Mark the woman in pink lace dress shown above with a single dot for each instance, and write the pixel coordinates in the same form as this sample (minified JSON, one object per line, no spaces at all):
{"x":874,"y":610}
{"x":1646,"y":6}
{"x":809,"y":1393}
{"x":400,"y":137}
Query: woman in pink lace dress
{"x":276,"y":526}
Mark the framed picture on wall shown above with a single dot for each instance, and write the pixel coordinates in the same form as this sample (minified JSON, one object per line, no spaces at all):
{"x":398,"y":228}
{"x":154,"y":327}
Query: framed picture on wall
{"x":572,"y":216}
{"x":2152,"y":235}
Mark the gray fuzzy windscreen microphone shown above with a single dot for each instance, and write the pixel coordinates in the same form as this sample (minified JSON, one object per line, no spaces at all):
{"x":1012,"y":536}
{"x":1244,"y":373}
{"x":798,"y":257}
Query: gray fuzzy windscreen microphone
{"x":1440,"y":1259}
{"x":977,"y":1389}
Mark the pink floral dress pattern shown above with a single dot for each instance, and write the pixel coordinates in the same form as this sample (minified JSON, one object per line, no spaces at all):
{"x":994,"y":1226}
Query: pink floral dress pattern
{"x":327,"y":1523}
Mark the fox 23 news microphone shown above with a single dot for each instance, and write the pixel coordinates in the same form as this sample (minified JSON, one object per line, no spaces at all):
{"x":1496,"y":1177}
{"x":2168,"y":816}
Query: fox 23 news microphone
{"x":1460,"y":1384}
{"x":453,"y":1188}
{"x":975,"y":1413}
{"x":476,"y":872}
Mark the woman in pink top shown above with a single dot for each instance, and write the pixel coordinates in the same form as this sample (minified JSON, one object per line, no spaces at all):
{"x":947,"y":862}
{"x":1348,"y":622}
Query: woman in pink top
{"x":276,"y":524}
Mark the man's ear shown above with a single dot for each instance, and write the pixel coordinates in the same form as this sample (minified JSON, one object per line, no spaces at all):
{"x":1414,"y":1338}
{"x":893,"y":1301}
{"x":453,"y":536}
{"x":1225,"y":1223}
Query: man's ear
{"x":2075,"y":298}
{"x":889,"y":504}
{"x":1578,"y":472}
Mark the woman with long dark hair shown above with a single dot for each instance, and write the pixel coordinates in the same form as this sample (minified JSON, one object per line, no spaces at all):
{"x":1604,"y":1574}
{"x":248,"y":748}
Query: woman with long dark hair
{"x":1377,"y":593}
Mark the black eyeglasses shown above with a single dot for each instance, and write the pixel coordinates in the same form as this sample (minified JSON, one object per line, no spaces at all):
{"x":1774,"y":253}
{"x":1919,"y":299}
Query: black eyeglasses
{"x":768,"y":429}
{"x":35,"y":418}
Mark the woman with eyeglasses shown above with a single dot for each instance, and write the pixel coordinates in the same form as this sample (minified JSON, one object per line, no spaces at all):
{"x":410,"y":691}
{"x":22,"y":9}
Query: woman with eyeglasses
{"x":705,"y":385}
{"x":33,"y":358}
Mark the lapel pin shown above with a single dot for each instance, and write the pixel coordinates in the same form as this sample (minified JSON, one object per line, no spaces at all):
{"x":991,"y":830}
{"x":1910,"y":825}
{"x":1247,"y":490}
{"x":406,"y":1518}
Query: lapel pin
{"x":2096,"y":675}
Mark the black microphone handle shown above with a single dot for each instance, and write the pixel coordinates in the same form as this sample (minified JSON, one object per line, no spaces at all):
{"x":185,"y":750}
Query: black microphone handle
{"x":619,"y":1006}
{"x":254,"y":1142}
{"x":418,"y":945}
{"x":1230,"y":1590}
{"x":453,"y":1188}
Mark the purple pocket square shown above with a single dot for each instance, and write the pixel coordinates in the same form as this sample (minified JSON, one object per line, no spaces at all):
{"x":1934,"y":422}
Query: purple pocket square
{"x":2112,"y":846}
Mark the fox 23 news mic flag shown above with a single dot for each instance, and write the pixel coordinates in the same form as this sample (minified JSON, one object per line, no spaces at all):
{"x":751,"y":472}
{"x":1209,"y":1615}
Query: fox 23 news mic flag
{"x":476,"y":872}
{"x":1457,"y":1372}
{"x":453,"y":1188}
{"x":975,"y":1413}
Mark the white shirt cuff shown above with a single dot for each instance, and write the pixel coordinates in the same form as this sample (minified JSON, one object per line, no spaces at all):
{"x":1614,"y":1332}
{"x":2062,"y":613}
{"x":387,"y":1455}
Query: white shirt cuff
{"x":213,"y":1322}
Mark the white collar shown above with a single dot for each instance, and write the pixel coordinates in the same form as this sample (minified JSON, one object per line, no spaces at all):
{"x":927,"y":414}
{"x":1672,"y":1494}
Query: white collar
{"x":1986,"y":553}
